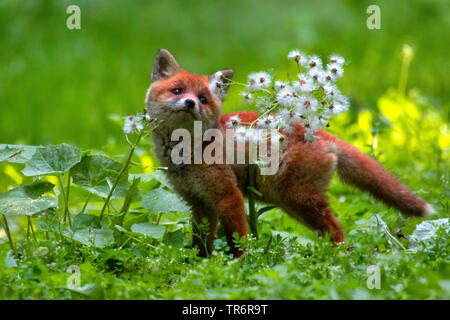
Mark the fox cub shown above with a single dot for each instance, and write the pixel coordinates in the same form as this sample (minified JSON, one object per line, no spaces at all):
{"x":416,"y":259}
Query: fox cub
{"x":216,"y":191}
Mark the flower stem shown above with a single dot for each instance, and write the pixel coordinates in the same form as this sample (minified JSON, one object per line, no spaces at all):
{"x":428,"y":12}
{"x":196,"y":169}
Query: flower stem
{"x":251,"y":201}
{"x":124,"y":168}
{"x":8,"y":234}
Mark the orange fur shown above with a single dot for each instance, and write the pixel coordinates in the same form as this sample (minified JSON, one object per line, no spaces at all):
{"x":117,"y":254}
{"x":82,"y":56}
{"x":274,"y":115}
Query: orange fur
{"x":299,"y":187}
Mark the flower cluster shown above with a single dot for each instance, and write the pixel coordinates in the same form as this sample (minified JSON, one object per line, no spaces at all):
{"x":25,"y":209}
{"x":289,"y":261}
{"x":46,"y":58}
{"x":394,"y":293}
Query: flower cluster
{"x":136,"y":123}
{"x":312,"y":97}
{"x":217,"y":85}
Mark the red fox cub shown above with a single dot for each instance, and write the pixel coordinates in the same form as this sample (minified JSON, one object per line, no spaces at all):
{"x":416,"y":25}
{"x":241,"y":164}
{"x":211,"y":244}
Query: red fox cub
{"x":216,"y":191}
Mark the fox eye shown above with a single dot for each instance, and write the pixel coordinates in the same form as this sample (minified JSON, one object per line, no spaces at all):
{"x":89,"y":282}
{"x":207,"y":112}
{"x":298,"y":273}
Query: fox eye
{"x":176,"y":91}
{"x":203,"y":100}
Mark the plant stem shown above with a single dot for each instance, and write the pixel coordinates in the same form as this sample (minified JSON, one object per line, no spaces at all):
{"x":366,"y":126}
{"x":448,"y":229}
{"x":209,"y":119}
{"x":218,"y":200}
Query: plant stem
{"x":86,"y":202}
{"x":251,"y":200}
{"x":159,"y":218}
{"x":67,"y":200}
{"x":124,"y":168}
{"x":8,"y":234}
{"x":66,"y":205}
{"x":30,"y":226}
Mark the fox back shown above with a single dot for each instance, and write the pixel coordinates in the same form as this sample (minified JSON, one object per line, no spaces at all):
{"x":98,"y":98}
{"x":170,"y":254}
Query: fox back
{"x":215,"y":191}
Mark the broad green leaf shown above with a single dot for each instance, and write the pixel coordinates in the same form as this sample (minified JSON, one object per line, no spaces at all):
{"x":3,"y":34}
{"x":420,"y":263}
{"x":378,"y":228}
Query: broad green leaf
{"x":149,"y":229}
{"x":91,"y":291}
{"x":8,"y":153}
{"x":160,"y":200}
{"x":426,"y":233}
{"x":52,"y":159}
{"x":175,"y":238}
{"x":96,"y":173}
{"x":27,"y":200}
{"x":16,"y":153}
{"x":10,"y":260}
{"x":99,"y":238}
{"x":83,"y":220}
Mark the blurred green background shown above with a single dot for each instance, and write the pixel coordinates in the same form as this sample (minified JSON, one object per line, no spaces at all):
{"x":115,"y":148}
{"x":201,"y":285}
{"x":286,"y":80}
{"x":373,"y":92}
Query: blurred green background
{"x":59,"y":85}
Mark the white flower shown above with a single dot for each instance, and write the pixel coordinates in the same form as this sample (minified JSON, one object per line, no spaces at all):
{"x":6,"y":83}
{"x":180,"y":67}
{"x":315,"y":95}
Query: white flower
{"x":318,"y":75}
{"x":309,"y":135}
{"x":338,"y":106}
{"x":298,"y":56}
{"x":315,"y":124}
{"x":337,"y":59}
{"x":247,"y":96}
{"x":262,"y":103}
{"x":335,"y":69}
{"x":286,"y":97}
{"x":290,"y":117}
{"x":329,"y":76}
{"x":331,"y":90}
{"x":218,"y":76}
{"x":233,"y":122}
{"x":304,"y":84}
{"x":267,"y":122}
{"x":315,"y":62}
{"x":132,"y":123}
{"x":280,"y":85}
{"x":259,"y":80}
{"x":306,"y":104}
{"x":147,"y":117}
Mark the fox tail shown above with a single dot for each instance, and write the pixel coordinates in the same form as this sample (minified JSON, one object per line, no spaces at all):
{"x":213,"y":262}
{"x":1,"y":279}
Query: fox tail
{"x":359,"y":170}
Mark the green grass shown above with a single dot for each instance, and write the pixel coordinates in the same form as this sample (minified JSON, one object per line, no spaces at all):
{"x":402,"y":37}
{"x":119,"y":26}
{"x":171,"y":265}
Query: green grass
{"x":60,"y":86}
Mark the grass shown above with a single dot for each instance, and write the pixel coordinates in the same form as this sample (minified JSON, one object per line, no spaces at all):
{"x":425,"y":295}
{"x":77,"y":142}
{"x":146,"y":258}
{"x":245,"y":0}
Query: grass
{"x":60,"y":86}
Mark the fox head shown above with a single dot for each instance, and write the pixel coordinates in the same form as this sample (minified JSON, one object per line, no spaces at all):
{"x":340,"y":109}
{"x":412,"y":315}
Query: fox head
{"x":178,"y":97}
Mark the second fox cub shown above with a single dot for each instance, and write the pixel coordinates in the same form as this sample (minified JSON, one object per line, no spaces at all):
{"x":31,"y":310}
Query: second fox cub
{"x":216,"y":191}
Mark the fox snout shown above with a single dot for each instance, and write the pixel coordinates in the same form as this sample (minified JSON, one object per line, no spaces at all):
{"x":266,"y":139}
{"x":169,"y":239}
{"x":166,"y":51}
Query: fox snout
{"x":188,"y":103}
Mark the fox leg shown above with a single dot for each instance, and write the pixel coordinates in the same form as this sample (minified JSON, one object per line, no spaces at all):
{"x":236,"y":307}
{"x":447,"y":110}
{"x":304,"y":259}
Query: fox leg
{"x":305,"y":181}
{"x":312,"y":210}
{"x":231,"y":213}
{"x":214,"y":194}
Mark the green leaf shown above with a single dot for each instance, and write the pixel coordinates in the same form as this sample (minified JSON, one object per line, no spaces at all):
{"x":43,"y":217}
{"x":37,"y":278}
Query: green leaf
{"x":426,"y":233}
{"x":8,"y":153}
{"x":176,"y":238}
{"x":27,"y":200}
{"x":92,"y":291}
{"x":149,"y":229}
{"x":99,"y":238}
{"x":158,"y":175}
{"x":97,"y":173}
{"x":16,"y":153}
{"x":160,"y":200}
{"x":52,"y":159}
{"x":10,"y":260}
{"x":83,"y":220}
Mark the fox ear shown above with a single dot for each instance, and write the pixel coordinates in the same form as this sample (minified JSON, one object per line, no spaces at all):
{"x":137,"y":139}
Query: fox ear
{"x":164,"y":66}
{"x":219,"y":82}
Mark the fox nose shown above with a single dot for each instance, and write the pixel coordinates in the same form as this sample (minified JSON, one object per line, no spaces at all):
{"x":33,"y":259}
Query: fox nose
{"x":189,"y":103}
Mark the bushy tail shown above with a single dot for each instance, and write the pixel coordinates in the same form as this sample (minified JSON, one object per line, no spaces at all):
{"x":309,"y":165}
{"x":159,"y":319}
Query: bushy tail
{"x":365,"y":173}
